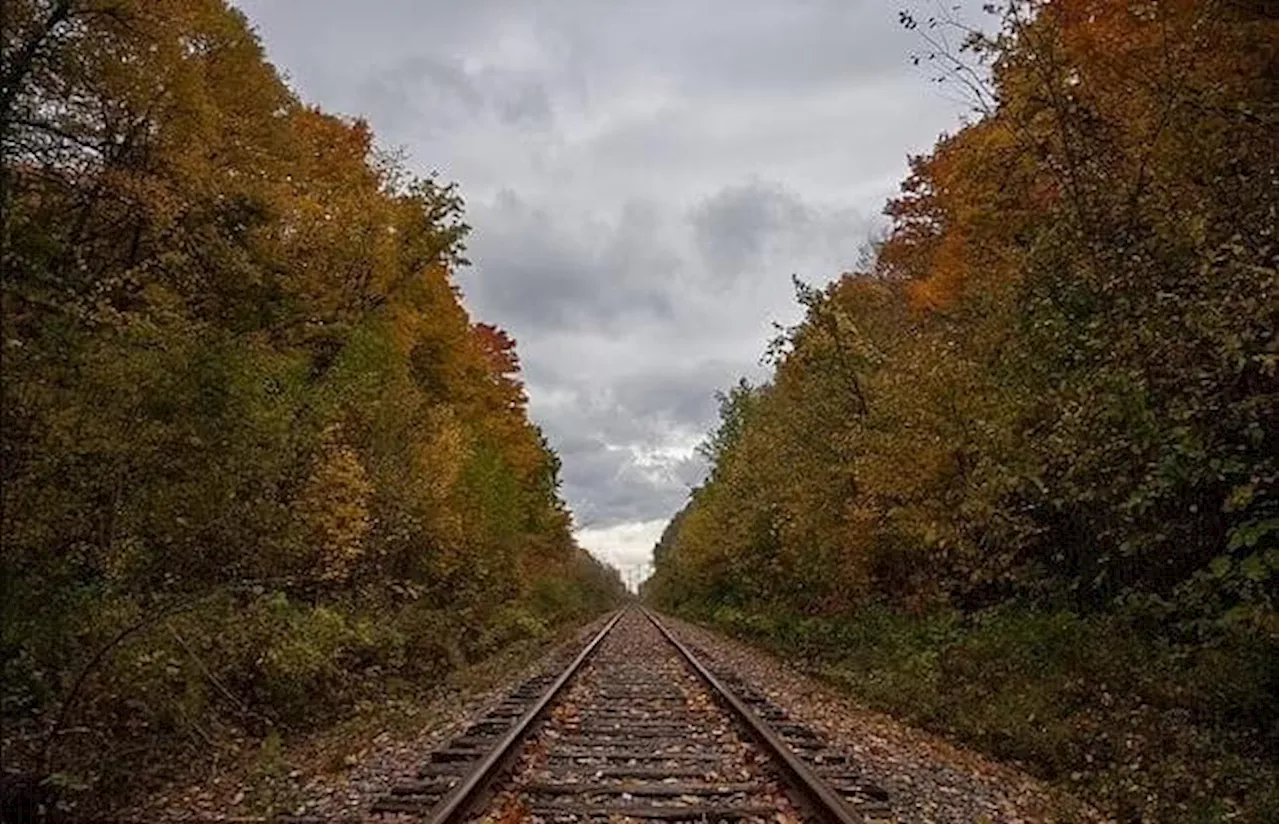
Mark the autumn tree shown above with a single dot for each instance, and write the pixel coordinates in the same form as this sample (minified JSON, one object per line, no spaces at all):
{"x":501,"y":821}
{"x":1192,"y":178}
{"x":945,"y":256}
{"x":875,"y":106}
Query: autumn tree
{"x":257,"y":456}
{"x":1053,"y":387}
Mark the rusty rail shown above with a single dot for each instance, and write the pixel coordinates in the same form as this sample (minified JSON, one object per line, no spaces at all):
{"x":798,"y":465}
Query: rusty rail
{"x":459,"y":801}
{"x":822,"y":799}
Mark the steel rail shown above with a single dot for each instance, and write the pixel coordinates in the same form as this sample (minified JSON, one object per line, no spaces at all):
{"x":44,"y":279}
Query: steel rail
{"x":818,"y":793}
{"x":459,"y":801}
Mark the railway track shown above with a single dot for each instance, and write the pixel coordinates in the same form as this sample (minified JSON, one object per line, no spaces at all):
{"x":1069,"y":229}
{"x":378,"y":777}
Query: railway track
{"x":637,"y":727}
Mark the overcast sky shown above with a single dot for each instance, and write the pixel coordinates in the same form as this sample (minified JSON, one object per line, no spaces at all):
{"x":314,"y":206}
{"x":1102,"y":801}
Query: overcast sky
{"x":643,"y":179}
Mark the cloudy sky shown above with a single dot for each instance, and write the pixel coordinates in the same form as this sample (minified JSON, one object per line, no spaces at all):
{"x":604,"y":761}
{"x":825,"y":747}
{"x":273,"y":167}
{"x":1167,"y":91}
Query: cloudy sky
{"x":643,"y":179}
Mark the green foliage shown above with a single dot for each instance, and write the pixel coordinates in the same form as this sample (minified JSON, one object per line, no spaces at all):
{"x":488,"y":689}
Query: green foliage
{"x":257,"y":459}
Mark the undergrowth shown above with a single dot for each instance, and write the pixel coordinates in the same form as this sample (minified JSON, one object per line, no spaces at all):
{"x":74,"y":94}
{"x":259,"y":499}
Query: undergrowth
{"x":1148,"y":731}
{"x":233,"y":674}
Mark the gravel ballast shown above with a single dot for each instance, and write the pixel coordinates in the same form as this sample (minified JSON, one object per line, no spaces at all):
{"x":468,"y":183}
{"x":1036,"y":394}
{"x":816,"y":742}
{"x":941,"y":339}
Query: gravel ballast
{"x":930,"y":780}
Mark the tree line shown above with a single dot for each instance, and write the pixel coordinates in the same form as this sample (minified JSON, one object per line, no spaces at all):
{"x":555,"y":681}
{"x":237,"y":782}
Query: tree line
{"x":258,"y":460}
{"x":1040,"y":418}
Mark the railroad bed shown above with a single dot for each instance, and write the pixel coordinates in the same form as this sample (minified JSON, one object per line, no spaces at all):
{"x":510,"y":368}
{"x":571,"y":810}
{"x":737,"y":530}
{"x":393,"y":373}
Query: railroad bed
{"x":637,"y":728}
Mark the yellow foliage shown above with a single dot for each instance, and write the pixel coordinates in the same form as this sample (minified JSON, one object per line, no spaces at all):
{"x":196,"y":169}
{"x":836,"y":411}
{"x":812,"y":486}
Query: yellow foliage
{"x":334,"y":505}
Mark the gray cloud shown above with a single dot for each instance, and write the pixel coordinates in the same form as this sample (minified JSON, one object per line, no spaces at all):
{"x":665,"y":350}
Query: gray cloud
{"x":627,"y":448}
{"x":432,"y":94}
{"x":643,"y":179}
{"x":681,"y":395}
{"x":534,"y":268}
{"x":629,"y":320}
{"x":740,"y":225}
